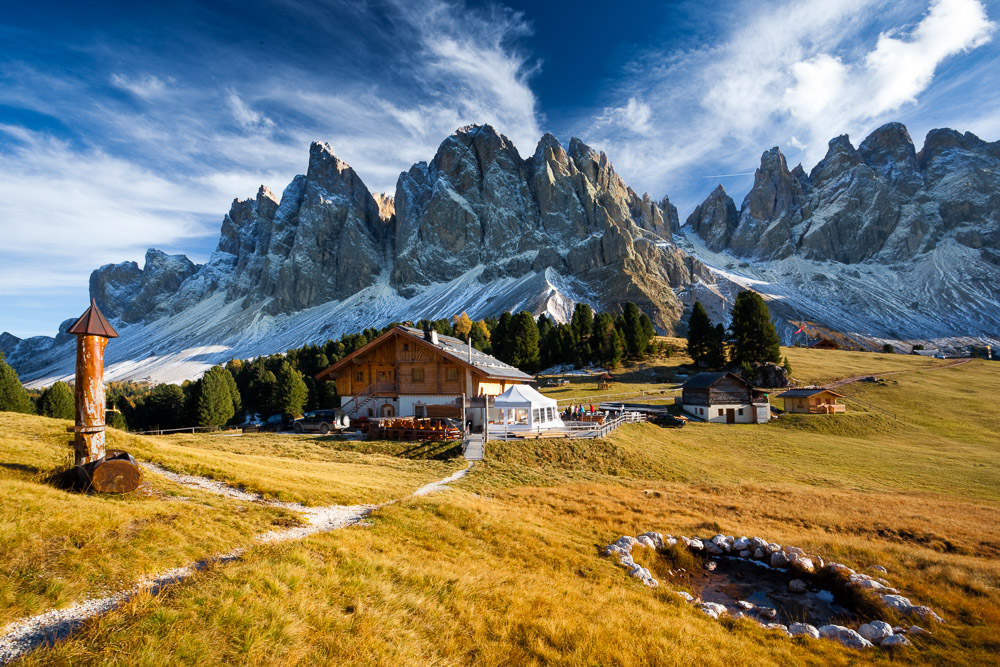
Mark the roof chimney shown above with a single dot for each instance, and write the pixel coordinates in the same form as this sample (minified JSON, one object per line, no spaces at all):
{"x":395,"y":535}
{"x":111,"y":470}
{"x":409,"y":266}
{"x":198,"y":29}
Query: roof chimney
{"x":431,"y":335}
{"x":470,"y":347}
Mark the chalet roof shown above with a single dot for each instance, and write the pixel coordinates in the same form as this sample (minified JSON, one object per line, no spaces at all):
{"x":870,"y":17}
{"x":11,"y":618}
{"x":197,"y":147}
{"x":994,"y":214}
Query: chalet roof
{"x":706,"y":380}
{"x":459,"y":351}
{"x":806,"y":393}
{"x":93,"y":323}
{"x":451,"y":348}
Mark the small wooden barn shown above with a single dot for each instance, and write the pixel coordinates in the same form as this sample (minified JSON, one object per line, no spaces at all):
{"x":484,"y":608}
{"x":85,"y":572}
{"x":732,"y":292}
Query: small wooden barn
{"x":815,"y":401}
{"x":825,"y":344}
{"x":725,"y":398}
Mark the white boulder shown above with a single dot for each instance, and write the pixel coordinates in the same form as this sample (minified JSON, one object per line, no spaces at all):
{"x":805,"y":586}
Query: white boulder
{"x":695,"y":544}
{"x":875,"y":631}
{"x":804,"y":564}
{"x":760,"y":554}
{"x":714,"y":549}
{"x":644,"y":541}
{"x":655,"y":538}
{"x":917,"y":630}
{"x":879,"y":568}
{"x":741,"y":543}
{"x":745,"y":554}
{"x":713,"y":609}
{"x":796,"y":629}
{"x":897,"y":602}
{"x":895,"y":640}
{"x":757,"y":543}
{"x":687,"y":597}
{"x":625,"y":542}
{"x":797,"y":586}
{"x":744,"y":605}
{"x":845,"y":636}
{"x":840,"y":569}
{"x":780,"y":627}
{"x":794,"y":550}
{"x":778,"y":559}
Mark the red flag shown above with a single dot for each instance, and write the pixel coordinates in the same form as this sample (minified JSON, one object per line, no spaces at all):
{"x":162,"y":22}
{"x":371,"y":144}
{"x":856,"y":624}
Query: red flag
{"x":801,"y":329}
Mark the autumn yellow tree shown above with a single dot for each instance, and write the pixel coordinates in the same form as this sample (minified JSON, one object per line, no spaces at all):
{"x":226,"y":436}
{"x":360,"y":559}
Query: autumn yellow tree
{"x":462,"y":325}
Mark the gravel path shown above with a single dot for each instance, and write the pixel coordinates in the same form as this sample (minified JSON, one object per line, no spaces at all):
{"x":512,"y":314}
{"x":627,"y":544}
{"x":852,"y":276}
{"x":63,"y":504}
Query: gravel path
{"x":26,"y":634}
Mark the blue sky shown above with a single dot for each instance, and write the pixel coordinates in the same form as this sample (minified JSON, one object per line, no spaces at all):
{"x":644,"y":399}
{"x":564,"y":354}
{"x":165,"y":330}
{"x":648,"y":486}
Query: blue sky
{"x":125,"y":126}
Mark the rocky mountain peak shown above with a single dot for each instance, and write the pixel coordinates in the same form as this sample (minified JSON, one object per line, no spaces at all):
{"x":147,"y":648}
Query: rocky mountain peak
{"x":670,"y":216}
{"x":715,"y":219}
{"x":774,"y":187}
{"x":386,"y":205}
{"x":890,"y":152}
{"x":840,"y":157}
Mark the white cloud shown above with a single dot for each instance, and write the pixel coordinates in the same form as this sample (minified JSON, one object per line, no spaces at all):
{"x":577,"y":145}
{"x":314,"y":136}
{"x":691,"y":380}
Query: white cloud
{"x":809,"y":70}
{"x":634,"y":117}
{"x":246,"y":117}
{"x":160,"y":170}
{"x":146,"y":86}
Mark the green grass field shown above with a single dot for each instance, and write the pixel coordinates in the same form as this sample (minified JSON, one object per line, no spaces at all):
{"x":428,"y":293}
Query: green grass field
{"x":505,"y":568}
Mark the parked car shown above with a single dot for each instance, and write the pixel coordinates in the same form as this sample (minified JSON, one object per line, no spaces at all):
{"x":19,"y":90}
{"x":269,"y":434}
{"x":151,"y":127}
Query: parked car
{"x":556,"y":382}
{"x":279,"y":422}
{"x":321,"y":421}
{"x":667,"y":419}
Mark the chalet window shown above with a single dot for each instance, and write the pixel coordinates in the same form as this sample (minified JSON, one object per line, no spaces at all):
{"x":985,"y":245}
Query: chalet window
{"x":451,"y":374}
{"x":418,"y":374}
{"x":406,"y":347}
{"x":359,"y":376}
{"x":720,"y":412}
{"x":741,"y":411}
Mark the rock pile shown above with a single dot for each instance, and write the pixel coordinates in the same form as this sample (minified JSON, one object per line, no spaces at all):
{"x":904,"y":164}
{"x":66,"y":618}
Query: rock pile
{"x":785,"y":559}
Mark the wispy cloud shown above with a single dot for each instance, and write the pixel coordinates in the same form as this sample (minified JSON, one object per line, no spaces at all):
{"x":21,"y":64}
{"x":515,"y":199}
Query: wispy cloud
{"x":795,"y":74}
{"x":148,"y":150}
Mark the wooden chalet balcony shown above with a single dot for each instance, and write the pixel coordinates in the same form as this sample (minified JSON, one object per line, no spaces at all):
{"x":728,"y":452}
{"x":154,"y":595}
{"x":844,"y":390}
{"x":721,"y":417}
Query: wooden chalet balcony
{"x":827,"y":409}
{"x":384,"y":387}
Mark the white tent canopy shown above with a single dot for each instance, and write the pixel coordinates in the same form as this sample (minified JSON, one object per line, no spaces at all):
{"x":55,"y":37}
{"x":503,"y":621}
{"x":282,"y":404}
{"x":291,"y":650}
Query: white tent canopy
{"x":522,"y":408}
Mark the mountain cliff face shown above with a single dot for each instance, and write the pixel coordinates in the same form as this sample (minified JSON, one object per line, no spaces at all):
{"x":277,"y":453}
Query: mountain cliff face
{"x":880,"y":201}
{"x":478,"y":228}
{"x":879,"y":239}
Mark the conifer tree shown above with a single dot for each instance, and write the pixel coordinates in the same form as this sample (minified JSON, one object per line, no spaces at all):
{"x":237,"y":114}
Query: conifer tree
{"x":699,"y":332}
{"x":635,"y":336}
{"x":290,"y":390}
{"x":163,"y":408}
{"x":715,"y":356}
{"x":13,"y":396}
{"x":524,"y":339}
{"x":754,"y":337}
{"x":214,"y":403}
{"x":502,"y":339}
{"x":57,"y":401}
{"x":481,"y":336}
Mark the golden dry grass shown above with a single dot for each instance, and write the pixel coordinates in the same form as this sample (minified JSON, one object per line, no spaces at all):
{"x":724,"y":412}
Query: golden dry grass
{"x":506,"y":568}
{"x":57,"y":547}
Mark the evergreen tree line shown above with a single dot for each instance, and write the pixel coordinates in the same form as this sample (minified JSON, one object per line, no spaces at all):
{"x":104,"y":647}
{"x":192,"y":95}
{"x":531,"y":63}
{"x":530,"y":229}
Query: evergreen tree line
{"x":285,"y":382}
{"x":751,"y":337}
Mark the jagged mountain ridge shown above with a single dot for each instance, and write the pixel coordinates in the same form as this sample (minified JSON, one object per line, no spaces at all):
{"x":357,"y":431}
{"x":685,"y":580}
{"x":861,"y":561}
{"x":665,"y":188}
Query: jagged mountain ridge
{"x":479,"y":228}
{"x":879,"y":239}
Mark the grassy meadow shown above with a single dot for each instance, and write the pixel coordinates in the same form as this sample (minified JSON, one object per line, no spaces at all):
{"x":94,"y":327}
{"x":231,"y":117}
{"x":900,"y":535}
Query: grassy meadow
{"x":506,"y":567}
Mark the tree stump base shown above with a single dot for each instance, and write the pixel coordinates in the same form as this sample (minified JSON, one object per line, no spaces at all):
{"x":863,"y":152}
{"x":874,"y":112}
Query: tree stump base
{"x":117,"y":472}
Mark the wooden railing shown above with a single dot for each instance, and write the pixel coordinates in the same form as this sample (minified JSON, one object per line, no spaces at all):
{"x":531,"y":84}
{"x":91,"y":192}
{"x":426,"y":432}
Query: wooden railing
{"x":580,"y":429}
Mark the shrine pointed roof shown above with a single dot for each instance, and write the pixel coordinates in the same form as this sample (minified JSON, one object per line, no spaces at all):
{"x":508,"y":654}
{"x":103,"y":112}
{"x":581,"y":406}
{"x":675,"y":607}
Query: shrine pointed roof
{"x":93,"y":323}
